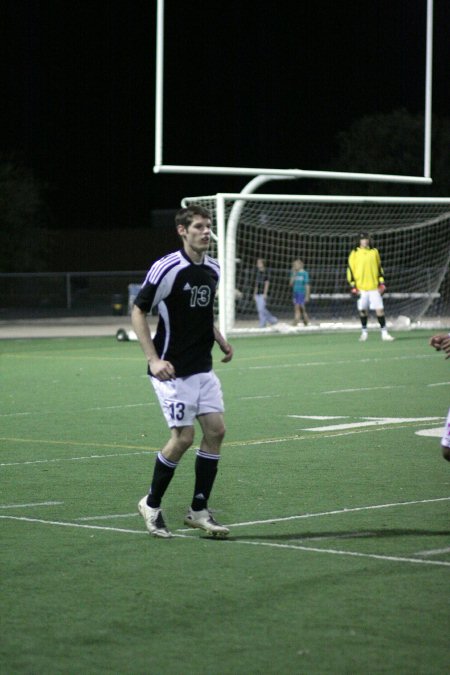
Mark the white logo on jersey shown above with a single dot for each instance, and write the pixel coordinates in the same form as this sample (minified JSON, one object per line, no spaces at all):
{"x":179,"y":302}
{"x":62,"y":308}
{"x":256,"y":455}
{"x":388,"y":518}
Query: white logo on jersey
{"x":186,"y":287}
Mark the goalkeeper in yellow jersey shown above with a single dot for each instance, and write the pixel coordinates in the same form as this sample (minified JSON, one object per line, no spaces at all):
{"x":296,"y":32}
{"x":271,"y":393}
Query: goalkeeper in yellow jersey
{"x":366,"y":278}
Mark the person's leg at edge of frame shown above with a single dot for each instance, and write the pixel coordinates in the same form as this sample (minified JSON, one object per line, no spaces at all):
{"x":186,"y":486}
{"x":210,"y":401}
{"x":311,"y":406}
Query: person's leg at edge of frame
{"x":445,"y":442}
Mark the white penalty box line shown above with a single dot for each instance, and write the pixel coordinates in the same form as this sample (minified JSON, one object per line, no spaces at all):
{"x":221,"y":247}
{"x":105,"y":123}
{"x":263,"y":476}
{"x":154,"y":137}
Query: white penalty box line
{"x":293,"y":546}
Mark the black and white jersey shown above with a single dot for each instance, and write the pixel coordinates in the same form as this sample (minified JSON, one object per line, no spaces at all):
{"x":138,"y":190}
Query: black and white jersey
{"x":183,"y":292}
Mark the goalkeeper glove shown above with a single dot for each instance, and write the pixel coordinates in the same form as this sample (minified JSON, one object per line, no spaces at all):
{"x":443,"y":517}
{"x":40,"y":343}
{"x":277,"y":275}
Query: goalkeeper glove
{"x":354,"y":291}
{"x":381,"y":288}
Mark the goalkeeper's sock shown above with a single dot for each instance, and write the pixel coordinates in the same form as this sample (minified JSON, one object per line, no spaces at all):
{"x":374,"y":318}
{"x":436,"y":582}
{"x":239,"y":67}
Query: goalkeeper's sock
{"x":382,"y":322}
{"x":363,"y":322}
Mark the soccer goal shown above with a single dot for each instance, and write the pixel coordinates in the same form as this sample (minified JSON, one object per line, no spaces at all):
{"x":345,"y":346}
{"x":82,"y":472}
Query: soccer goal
{"x":412,"y":235}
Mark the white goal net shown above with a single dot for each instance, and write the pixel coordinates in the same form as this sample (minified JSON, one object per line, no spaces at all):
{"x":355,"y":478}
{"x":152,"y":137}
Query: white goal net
{"x":412,"y":235}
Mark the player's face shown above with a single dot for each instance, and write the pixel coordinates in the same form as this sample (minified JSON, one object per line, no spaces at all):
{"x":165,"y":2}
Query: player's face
{"x":197,"y":235}
{"x":364,"y":243}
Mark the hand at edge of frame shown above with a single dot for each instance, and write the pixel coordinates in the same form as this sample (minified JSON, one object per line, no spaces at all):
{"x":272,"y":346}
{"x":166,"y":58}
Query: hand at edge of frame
{"x":441,"y":343}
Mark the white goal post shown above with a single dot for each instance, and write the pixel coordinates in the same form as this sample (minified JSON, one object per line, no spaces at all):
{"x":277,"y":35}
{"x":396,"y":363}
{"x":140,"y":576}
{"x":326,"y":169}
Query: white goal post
{"x":412,"y":234}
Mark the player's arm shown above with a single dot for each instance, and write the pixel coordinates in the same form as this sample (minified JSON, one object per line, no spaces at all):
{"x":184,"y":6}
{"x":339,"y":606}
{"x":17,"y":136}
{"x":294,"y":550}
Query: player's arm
{"x":162,"y":370}
{"x":308,"y":292}
{"x":224,"y":345}
{"x":350,"y":276}
{"x":266,"y":287}
{"x":381,"y":284}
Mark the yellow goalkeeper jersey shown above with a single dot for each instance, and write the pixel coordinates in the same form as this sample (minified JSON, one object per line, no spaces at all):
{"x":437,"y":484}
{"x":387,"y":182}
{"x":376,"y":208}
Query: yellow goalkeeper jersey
{"x":364,"y":269}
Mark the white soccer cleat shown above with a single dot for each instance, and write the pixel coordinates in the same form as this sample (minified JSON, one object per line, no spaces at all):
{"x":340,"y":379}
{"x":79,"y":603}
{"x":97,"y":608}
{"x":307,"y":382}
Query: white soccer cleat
{"x":154,"y":520}
{"x":387,"y":338}
{"x":364,"y":335}
{"x":203,"y":520}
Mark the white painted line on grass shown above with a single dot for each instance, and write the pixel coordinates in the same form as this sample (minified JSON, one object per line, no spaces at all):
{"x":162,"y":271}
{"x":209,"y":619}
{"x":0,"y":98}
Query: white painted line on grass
{"x":79,"y":525}
{"x":438,"y":384}
{"x":251,"y":398}
{"x":338,"y":511}
{"x":355,"y":554}
{"x":319,"y":417}
{"x":76,"y":412}
{"x":343,"y":362}
{"x":24,"y":506}
{"x":358,"y":389}
{"x":247,"y":543}
{"x":308,"y":437}
{"x":109,"y":516}
{"x":436,"y":551}
{"x":77,"y":459}
{"x":302,"y":516}
{"x":435,"y":432}
{"x":373,"y":422}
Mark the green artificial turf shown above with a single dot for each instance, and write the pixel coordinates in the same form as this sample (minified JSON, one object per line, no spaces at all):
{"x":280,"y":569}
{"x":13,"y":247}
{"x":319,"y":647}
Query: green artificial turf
{"x":338,"y":560}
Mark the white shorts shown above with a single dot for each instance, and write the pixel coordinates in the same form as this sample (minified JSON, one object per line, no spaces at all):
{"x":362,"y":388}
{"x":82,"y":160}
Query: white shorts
{"x":446,"y":437}
{"x":369,"y":300}
{"x":184,"y":398}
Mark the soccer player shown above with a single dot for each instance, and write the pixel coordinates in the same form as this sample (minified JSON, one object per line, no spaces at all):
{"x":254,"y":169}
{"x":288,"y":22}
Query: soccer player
{"x":183,"y":286}
{"x":301,"y":291}
{"x":366,"y":278}
{"x":442,"y":343}
{"x":262,"y":283}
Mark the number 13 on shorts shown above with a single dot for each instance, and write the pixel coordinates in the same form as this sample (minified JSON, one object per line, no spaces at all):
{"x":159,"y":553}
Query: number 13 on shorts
{"x":176,"y":411}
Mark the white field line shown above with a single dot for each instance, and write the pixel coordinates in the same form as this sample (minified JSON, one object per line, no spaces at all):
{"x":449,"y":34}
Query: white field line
{"x":436,"y":551}
{"x":269,"y":544}
{"x":78,"y":459}
{"x":73,"y":411}
{"x":356,"y":554}
{"x":336,"y":512}
{"x":25,"y":506}
{"x":298,"y":437}
{"x":320,"y":417}
{"x":358,"y":389}
{"x":247,"y":543}
{"x":229,"y":444}
{"x":251,"y":398}
{"x":61,"y":523}
{"x":270,"y":521}
{"x":438,"y":384}
{"x":110,"y":516}
{"x":375,"y":423}
{"x":343,"y":362}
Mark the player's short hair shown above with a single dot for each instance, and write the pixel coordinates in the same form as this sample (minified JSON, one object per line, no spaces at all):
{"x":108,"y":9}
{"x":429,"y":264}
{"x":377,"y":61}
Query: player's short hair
{"x":364,"y":235}
{"x":186,"y":215}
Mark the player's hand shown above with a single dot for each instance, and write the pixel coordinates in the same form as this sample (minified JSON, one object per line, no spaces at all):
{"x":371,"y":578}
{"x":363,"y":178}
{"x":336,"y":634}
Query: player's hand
{"x":354,"y":291}
{"x":381,"y":288}
{"x":162,"y":370}
{"x":445,"y":345}
{"x":435,"y":341}
{"x":441,"y":343}
{"x":227,"y":350}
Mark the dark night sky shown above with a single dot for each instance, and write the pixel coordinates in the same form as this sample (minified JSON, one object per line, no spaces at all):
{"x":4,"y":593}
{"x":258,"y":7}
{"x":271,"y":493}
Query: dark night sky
{"x":247,"y":83}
